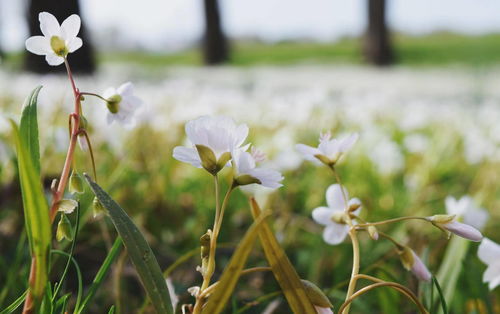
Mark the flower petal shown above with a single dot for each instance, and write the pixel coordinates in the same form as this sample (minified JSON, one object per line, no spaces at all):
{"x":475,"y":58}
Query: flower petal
{"x":75,"y":44}
{"x":419,"y":269}
{"x":188,"y":155}
{"x":49,"y":24}
{"x":335,"y":198}
{"x":488,"y":251}
{"x":322,"y":215}
{"x":309,"y":152}
{"x":464,"y":231}
{"x":476,"y":217}
{"x":126,"y":89}
{"x":335,"y":233}
{"x":38,"y":45}
{"x":347,"y":142}
{"x":53,"y":59}
{"x":70,"y":27}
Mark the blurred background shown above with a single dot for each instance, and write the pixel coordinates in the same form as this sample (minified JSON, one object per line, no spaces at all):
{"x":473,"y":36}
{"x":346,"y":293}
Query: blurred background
{"x":418,"y":79}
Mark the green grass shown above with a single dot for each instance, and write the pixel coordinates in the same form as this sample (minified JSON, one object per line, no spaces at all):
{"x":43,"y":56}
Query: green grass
{"x":431,"y":50}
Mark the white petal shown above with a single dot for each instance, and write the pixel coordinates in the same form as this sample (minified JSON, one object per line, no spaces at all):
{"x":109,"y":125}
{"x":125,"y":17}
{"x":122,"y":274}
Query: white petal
{"x":329,"y":148}
{"x":451,"y":205}
{"x":347,"y":142}
{"x":241,"y":134}
{"x":49,"y":25}
{"x":126,"y":89}
{"x":476,"y":218}
{"x":492,"y":275}
{"x":38,"y":45}
{"x":419,"y":269}
{"x":109,"y":92}
{"x":70,"y":27}
{"x":355,"y":201}
{"x":335,"y":198}
{"x":308,"y":152}
{"x":53,"y":59}
{"x":322,"y":215}
{"x":488,"y":251}
{"x":188,"y":155}
{"x":75,"y":44}
{"x":268,"y":177}
{"x":110,"y":117}
{"x":335,"y":233}
{"x":323,"y":310}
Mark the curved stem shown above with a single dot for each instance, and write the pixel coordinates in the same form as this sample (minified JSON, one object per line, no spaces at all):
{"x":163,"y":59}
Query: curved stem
{"x":394,"y":285}
{"x":93,"y":94}
{"x":374,"y":279}
{"x":383,"y":222}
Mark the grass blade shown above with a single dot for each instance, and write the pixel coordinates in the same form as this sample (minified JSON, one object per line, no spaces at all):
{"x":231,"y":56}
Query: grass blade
{"x":29,"y":128}
{"x":138,"y":250}
{"x":231,"y":274}
{"x":36,"y":214}
{"x":283,"y":271}
{"x":441,"y":295}
{"x":11,"y":308}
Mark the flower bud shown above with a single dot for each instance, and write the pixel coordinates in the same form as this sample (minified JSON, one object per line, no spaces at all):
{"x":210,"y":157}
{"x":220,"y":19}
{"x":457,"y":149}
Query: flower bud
{"x":205,"y":245}
{"x":75,"y":183}
{"x":316,"y":295}
{"x":464,"y":231}
{"x":441,"y":219}
{"x":66,"y":206}
{"x":97,"y":208}
{"x":208,"y":159}
{"x":64,"y":229}
{"x":246,"y":179}
{"x":113,"y":103}
{"x":372,"y":231}
{"x":413,"y":263}
{"x":82,"y":142}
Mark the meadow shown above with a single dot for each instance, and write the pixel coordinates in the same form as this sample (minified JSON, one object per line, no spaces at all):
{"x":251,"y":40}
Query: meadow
{"x":428,"y":129}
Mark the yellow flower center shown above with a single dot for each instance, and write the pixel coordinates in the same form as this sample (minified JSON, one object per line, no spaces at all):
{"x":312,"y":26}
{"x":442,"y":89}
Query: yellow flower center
{"x":58,"y":46}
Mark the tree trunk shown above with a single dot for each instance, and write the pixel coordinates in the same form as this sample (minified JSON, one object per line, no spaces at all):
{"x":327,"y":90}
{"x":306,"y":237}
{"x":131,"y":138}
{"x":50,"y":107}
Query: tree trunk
{"x":377,"y":46}
{"x":82,"y":60}
{"x":215,"y":46}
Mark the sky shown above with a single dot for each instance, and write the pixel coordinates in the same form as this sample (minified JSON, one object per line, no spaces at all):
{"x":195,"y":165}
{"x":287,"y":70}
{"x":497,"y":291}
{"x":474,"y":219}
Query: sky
{"x":174,"y":24}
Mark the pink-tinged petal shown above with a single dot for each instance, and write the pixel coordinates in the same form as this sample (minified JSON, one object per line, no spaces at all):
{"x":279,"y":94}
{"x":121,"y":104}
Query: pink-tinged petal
{"x":187,"y":155}
{"x":322,"y":215}
{"x":323,"y":310}
{"x":38,"y":45}
{"x":335,"y":198}
{"x":49,"y":24}
{"x":488,"y":251}
{"x":53,"y":59}
{"x":464,"y":231}
{"x":70,"y":27}
{"x":347,"y":142}
{"x":335,"y":233}
{"x":75,"y":44}
{"x":419,"y":269}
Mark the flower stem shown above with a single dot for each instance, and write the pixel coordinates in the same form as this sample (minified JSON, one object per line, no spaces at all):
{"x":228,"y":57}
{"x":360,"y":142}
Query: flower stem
{"x":93,"y":94}
{"x":383,"y":222}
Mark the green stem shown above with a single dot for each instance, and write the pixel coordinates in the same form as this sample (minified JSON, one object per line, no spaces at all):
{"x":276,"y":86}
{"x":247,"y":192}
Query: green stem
{"x":388,"y":221}
{"x":93,"y":94}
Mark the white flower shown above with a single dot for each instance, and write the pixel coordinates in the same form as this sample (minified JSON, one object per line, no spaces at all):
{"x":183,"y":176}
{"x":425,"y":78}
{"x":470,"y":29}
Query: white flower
{"x":57,"y":40}
{"x":246,"y":171}
{"x":332,"y":216}
{"x":489,"y":253}
{"x":465,"y":209}
{"x":213,"y":137}
{"x":122,"y":104}
{"x":329,"y":150}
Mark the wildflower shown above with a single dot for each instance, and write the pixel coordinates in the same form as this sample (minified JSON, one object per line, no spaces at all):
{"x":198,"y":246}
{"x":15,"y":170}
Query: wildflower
{"x":413,"y":263}
{"x":329,"y":150}
{"x":321,"y":303}
{"x":449,"y":223}
{"x":64,"y":229}
{"x":57,"y":40}
{"x":213,"y":140}
{"x":121,"y":103}
{"x":334,"y":216}
{"x":246,"y":171}
{"x":465,"y":209}
{"x":489,"y":253}
{"x":66,"y":206}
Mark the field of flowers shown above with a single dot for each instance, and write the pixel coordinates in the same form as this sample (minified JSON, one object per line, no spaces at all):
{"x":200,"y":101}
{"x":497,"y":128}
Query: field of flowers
{"x":424,"y":134}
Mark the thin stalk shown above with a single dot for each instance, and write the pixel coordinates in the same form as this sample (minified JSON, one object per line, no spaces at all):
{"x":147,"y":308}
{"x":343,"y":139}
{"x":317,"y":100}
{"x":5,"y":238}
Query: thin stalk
{"x":93,"y":94}
{"x":345,"y":305}
{"x":388,"y":221}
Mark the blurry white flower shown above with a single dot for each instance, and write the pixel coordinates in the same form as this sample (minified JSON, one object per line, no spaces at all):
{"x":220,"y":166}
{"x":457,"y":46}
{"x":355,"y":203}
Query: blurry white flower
{"x":121,"y":103}
{"x":412,"y":262}
{"x":465,"y":209}
{"x":332,"y":217}
{"x":57,"y":40}
{"x":416,"y":143}
{"x":329,"y":150}
{"x":489,"y":253}
{"x":194,"y":291}
{"x":246,"y":171}
{"x":213,"y":140}
{"x":323,"y":310}
{"x":449,"y":223}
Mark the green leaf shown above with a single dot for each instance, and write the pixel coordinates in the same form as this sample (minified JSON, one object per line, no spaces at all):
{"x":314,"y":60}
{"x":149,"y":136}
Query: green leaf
{"x":29,"y":128}
{"x":229,"y":278}
{"x":444,"y":308}
{"x":36,"y":213}
{"x":13,"y":307}
{"x":283,"y":271}
{"x":138,"y":250}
